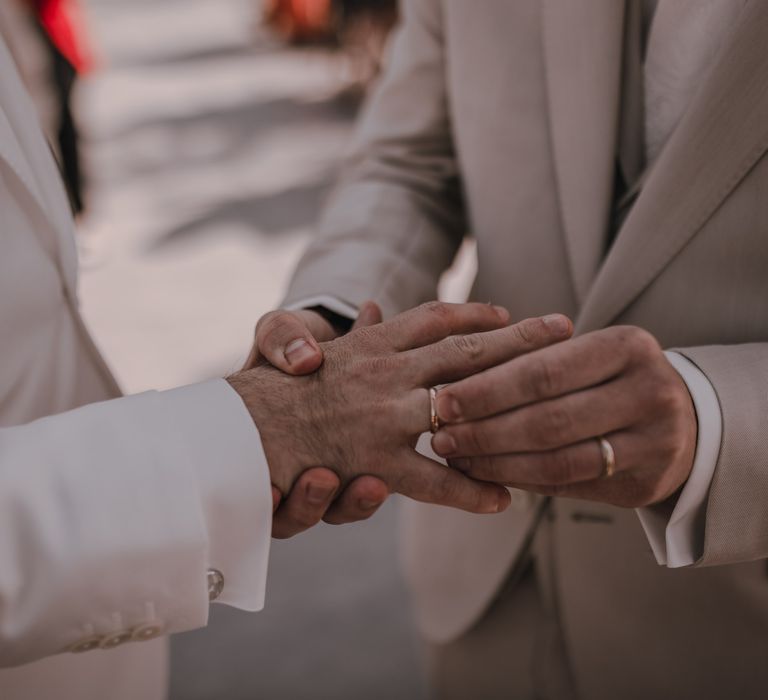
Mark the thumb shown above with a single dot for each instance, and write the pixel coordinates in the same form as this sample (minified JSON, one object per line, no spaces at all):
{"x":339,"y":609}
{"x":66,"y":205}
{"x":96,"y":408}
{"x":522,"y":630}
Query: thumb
{"x":369,"y":315}
{"x":286,"y":341}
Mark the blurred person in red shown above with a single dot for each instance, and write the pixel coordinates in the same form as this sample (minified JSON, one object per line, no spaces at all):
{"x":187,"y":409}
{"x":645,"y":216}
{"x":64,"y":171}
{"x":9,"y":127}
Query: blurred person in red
{"x":48,"y":42}
{"x":63,"y":32}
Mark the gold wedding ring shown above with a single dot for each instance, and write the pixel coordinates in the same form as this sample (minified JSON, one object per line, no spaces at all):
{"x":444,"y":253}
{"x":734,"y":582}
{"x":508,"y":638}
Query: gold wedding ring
{"x":434,"y":419}
{"x":609,"y":457}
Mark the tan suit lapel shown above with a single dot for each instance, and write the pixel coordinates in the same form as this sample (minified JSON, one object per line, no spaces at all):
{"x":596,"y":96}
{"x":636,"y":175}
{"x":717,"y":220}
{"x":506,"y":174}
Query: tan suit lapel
{"x":583,"y":50}
{"x":721,"y":136}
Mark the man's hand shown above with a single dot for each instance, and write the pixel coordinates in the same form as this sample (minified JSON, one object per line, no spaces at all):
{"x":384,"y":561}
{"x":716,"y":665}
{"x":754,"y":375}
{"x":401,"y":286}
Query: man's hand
{"x":532,"y":422}
{"x":289,"y":341}
{"x":316,"y":496}
{"x":363,"y":410}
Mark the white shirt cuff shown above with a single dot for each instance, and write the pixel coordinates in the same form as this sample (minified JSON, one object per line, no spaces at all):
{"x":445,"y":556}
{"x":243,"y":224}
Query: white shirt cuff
{"x":338,"y":306}
{"x":234,"y":485}
{"x":678,"y":539}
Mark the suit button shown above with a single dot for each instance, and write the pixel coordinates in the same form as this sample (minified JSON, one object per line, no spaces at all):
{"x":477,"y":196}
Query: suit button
{"x":144,"y":633}
{"x":215,"y":583}
{"x":87,"y":644}
{"x":115,"y":640}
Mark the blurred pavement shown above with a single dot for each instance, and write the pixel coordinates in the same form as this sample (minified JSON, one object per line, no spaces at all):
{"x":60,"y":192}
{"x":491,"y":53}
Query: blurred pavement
{"x":210,"y":153}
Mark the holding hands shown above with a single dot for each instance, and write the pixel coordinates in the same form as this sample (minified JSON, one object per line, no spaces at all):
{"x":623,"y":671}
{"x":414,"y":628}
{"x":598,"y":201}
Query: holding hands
{"x":362,"y":411}
{"x":603,"y":417}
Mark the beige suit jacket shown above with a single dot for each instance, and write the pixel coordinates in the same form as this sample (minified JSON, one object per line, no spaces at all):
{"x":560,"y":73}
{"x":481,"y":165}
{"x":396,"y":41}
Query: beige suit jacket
{"x":500,"y":119}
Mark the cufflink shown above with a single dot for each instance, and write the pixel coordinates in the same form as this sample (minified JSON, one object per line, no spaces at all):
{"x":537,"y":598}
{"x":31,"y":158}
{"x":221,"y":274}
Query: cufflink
{"x":215,"y":584}
{"x":115,"y":640}
{"x":143,"y":633}
{"x":87,"y":644}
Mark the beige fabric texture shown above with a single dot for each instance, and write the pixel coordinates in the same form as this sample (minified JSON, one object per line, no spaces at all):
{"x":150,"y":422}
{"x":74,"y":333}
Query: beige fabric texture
{"x":502,"y":123}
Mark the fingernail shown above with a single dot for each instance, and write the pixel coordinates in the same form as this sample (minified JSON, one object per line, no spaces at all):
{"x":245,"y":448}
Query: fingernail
{"x":298,"y":350}
{"x":502,"y":313}
{"x":443,"y":443}
{"x":503,"y":501}
{"x":316,"y":495}
{"x":557,"y":324}
{"x":448,"y":408}
{"x":369,"y":505}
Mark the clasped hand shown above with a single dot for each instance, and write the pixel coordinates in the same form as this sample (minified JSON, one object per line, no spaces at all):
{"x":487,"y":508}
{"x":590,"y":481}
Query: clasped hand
{"x":531,"y":423}
{"x":524,"y":409}
{"x":362,"y":411}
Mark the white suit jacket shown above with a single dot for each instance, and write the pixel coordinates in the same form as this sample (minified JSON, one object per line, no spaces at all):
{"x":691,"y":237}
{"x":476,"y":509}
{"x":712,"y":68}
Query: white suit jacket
{"x":111,"y":514}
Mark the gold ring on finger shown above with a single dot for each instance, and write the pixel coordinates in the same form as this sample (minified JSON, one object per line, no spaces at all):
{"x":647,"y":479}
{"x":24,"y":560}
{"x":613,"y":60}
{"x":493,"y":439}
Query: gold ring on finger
{"x":609,"y":457}
{"x":434,"y":419}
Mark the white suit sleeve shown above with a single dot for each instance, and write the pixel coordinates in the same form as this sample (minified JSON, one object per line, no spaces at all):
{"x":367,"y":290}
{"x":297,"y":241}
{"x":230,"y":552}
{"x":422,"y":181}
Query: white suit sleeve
{"x":111,"y":516}
{"x":677,"y":538}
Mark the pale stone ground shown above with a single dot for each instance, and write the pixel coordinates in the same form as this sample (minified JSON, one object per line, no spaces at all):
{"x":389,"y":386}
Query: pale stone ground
{"x":210,"y":154}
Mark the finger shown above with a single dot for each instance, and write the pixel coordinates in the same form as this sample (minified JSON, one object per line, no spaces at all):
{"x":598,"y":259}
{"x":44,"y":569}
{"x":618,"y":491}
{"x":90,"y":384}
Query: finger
{"x":460,"y":356}
{"x":359,"y":501}
{"x":436,"y":320}
{"x":288,"y":340}
{"x":630,"y":489}
{"x":276,"y":498}
{"x":430,"y":482}
{"x":569,"y":465}
{"x":546,"y":425}
{"x":546,"y":373}
{"x":369,"y":315}
{"x":306,"y":504}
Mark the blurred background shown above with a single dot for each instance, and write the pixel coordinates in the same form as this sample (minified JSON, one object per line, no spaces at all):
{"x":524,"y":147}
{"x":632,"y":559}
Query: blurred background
{"x":199,"y":139}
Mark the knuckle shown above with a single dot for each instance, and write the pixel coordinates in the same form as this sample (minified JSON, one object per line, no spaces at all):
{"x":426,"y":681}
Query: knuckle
{"x":469,"y":346}
{"x":545,"y":379}
{"x":437,"y":309}
{"x":445,"y":490}
{"x":668,"y":398}
{"x":558,"y":421}
{"x":474,"y":439}
{"x":642,"y":344}
{"x":275,"y":328}
{"x":529,"y":331}
{"x":670,"y":448}
{"x":550,"y":428}
{"x":563,"y":468}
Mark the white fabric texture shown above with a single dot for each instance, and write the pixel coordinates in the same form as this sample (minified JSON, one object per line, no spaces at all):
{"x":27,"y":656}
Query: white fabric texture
{"x":111,"y":512}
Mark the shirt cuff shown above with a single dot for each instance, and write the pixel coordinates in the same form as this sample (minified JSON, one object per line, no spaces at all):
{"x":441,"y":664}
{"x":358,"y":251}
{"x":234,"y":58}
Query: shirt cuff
{"x":234,"y":486}
{"x":338,"y":306}
{"x":677,"y":539}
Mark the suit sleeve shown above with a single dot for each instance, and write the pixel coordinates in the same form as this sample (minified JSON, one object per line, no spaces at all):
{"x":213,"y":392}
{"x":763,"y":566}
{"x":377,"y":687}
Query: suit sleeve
{"x":111,"y":516}
{"x":736,"y":516}
{"x":396,"y":218}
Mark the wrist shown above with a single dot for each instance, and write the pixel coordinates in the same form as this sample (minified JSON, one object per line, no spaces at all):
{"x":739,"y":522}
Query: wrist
{"x":271,"y":398}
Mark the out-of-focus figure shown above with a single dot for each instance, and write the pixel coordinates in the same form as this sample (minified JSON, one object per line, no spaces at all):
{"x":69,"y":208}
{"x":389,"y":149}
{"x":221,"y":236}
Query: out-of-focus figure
{"x":47,"y":40}
{"x":359,"y":27}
